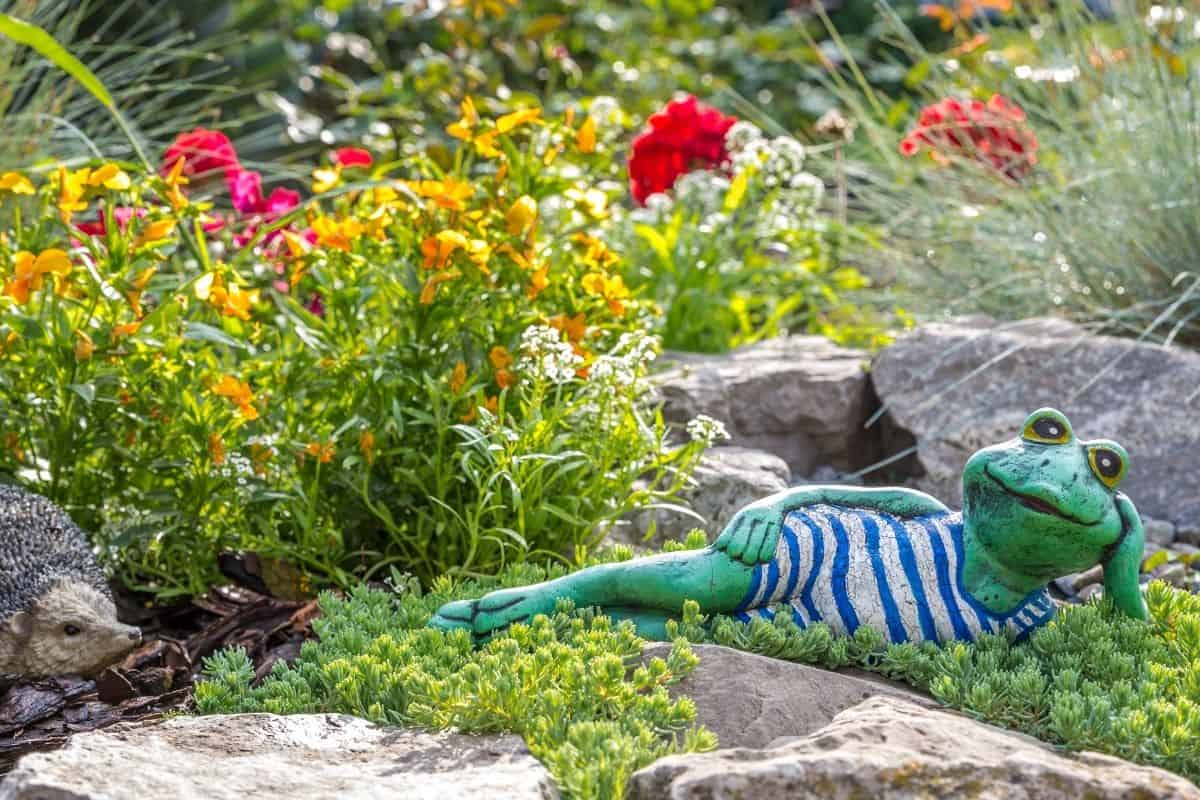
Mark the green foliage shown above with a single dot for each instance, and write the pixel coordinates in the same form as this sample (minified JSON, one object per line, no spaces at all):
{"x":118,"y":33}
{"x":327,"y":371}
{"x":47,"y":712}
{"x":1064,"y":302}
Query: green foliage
{"x":1104,"y":229}
{"x":570,"y":684}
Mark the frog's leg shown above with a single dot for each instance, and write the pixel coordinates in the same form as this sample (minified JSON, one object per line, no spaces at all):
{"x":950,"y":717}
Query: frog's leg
{"x":1123,"y":563}
{"x":646,"y":590}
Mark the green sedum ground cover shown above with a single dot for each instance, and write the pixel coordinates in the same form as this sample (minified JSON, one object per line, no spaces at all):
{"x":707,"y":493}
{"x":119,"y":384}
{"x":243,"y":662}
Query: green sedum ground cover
{"x":573,"y":687}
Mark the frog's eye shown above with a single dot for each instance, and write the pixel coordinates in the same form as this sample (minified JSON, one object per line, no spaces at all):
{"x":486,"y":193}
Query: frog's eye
{"x":1108,"y":464}
{"x":1047,"y":429}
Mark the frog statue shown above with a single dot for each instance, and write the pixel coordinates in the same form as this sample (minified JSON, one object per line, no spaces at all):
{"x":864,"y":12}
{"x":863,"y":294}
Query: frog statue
{"x":1036,"y":507}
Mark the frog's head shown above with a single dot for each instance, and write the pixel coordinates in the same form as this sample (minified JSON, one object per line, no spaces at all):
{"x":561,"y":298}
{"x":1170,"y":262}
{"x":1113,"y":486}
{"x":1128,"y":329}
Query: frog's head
{"x":1045,"y":504}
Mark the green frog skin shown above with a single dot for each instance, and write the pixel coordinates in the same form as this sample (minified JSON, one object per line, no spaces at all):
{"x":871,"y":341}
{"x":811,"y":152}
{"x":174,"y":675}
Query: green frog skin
{"x":1036,"y":507}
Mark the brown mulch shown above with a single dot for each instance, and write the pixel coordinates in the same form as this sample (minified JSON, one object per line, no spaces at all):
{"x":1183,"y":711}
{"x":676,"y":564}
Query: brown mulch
{"x":158,"y":676}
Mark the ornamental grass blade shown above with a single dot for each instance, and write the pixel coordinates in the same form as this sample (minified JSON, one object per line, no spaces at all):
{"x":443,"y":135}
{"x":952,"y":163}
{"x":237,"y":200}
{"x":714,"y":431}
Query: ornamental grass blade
{"x":47,"y":47}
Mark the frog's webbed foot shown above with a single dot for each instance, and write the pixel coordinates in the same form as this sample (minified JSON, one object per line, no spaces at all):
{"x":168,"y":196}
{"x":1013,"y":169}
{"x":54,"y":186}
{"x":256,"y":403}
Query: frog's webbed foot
{"x":494,"y":612}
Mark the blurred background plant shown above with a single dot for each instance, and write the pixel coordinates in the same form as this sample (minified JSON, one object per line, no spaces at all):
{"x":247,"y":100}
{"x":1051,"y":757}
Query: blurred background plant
{"x":1100,"y":226}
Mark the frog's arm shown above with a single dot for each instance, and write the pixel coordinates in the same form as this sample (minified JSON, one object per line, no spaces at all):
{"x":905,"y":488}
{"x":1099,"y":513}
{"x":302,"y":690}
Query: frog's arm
{"x":1123,"y":561}
{"x":752,"y":535}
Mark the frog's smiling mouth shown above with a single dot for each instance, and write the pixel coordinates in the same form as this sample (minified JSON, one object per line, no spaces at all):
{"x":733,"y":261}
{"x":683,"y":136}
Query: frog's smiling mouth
{"x":1037,"y":504}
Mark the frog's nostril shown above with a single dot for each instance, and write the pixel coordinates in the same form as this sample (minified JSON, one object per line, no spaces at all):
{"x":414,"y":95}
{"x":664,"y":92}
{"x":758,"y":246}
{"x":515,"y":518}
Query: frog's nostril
{"x":1045,"y":462}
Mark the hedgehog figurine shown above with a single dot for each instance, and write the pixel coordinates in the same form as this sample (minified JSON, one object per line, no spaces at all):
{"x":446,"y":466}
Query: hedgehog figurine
{"x":57,"y":616}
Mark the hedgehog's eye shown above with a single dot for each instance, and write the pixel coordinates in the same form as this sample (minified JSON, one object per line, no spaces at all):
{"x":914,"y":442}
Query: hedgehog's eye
{"x":1047,"y":429}
{"x":70,"y":630}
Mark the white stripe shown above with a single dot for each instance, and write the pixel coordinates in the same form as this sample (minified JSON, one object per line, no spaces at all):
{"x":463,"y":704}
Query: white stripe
{"x":927,"y":569}
{"x":822,"y":591}
{"x":964,"y":609}
{"x":783,"y":557}
{"x":860,"y":583}
{"x":902,"y":592}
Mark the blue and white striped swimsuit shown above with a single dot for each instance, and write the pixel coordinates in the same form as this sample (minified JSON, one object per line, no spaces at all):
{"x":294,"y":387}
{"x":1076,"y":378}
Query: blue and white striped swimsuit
{"x":848,"y":567}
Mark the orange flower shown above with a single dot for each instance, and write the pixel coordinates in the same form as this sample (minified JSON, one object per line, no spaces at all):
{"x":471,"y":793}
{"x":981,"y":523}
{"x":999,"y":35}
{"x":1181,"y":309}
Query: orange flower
{"x":175,"y":178}
{"x":438,"y":248}
{"x":466,"y":125}
{"x":516,"y":119}
{"x":232,"y":300}
{"x":429,"y":290}
{"x":323,"y":452}
{"x":366,"y":443}
{"x":127,"y":329}
{"x":239,"y":394}
{"x":155,"y":232}
{"x":260,"y":456}
{"x":216,"y":449}
{"x":449,"y":194}
{"x":83,"y":346}
{"x":458,"y":378}
{"x":585,"y":138}
{"x":71,"y":188}
{"x":575,"y":327}
{"x":538,"y":281}
{"x":12,"y":442}
{"x":505,"y":379}
{"x":29,"y":272}
{"x":500,"y":357}
{"x":611,"y":287}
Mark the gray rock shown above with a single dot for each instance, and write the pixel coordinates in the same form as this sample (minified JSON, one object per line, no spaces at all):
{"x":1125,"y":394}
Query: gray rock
{"x":726,"y":479}
{"x":802,"y":398}
{"x":1090,"y":591}
{"x":750,"y":700}
{"x":890,"y":749}
{"x":1173,"y":572}
{"x":267,"y":756}
{"x":1188,"y":534}
{"x":1158,"y":531}
{"x":963,"y":385}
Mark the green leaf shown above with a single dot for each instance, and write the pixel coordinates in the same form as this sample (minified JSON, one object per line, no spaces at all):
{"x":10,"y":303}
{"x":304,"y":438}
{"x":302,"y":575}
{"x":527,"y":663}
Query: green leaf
{"x":199,"y":332}
{"x":85,"y":390}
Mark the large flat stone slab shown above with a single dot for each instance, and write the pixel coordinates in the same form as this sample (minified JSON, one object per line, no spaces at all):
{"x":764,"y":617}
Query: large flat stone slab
{"x":263,"y":756}
{"x":750,"y":700}
{"x":891,"y":749}
{"x":963,"y":385}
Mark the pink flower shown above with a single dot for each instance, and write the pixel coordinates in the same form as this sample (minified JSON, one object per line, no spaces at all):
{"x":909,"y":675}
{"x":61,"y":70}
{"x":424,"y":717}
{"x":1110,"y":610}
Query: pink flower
{"x":352,"y":157}
{"x":245,"y":190}
{"x":204,"y":152}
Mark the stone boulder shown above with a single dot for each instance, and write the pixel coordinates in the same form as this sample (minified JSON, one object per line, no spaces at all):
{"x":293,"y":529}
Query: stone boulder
{"x":726,"y":479}
{"x":266,"y":756}
{"x":890,"y":749}
{"x":963,"y":385}
{"x":801,"y":398}
{"x":750,"y":700}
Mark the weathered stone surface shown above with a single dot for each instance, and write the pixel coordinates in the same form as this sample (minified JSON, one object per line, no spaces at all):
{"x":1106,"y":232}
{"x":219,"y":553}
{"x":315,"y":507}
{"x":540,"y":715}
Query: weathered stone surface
{"x":750,"y":700}
{"x":1158,"y":531}
{"x":890,"y":749}
{"x":267,"y":756}
{"x":802,"y":398}
{"x":726,"y":479}
{"x":964,"y":385}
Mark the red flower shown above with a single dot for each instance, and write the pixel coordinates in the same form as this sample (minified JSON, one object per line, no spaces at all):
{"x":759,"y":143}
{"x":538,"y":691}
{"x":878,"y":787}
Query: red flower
{"x":684,"y":136}
{"x":205,"y":152}
{"x":352,"y":157}
{"x":993,"y":133}
{"x":121,"y":215}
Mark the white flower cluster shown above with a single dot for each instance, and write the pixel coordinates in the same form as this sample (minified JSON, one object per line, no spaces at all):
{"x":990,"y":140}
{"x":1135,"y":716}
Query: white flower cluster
{"x":778,"y":166}
{"x":546,"y":357}
{"x":628,"y":362}
{"x":703,"y":428}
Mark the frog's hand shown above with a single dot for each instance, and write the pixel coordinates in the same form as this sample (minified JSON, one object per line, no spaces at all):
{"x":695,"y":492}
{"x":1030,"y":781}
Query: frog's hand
{"x":1122,"y":563}
{"x":753,"y":534}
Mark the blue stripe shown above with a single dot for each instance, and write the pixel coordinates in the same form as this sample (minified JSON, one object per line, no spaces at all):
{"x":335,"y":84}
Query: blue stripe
{"x":982,"y":612}
{"x":769,"y":613}
{"x":891,"y":613}
{"x":908,"y":560}
{"x":799,"y":620}
{"x":772,"y":580}
{"x":841,"y":567}
{"x":943,"y":572}
{"x":743,"y":616}
{"x":755,"y":580}
{"x":793,"y":546}
{"x":818,"y":556}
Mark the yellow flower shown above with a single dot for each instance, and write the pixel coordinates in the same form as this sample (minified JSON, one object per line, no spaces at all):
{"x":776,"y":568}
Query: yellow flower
{"x":109,"y":176}
{"x":16,"y":183}
{"x":611,"y":287}
{"x":216,"y":449}
{"x":593,"y":201}
{"x":326,"y":178}
{"x":450,"y":194}
{"x":458,"y":378}
{"x":83,"y":346}
{"x":438,"y":248}
{"x":232,"y":301}
{"x":470,"y":118}
{"x":429,"y":291}
{"x":485,"y":145}
{"x":366,"y":444}
{"x":596,"y":252}
{"x":127,"y":329}
{"x":538,"y":281}
{"x":479,"y":8}
{"x":175,"y":178}
{"x":339,"y":235}
{"x":155,"y":232}
{"x":521,"y":215}
{"x":71,"y":188}
{"x":239,"y":394}
{"x":516,"y":119}
{"x":29,"y":272}
{"x":585,"y":138}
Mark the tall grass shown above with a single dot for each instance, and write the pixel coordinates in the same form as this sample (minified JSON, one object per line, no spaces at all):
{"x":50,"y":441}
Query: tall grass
{"x":1107,"y":228}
